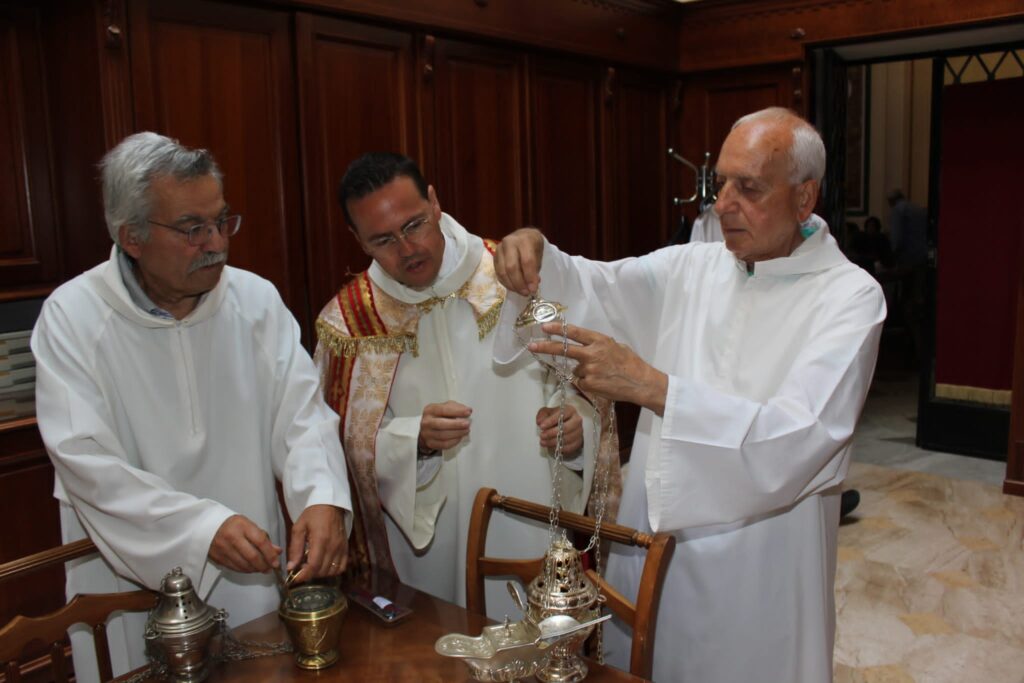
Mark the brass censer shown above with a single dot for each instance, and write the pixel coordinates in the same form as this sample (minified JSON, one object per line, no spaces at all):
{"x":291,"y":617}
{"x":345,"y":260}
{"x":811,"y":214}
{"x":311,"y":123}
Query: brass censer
{"x":313,"y":615}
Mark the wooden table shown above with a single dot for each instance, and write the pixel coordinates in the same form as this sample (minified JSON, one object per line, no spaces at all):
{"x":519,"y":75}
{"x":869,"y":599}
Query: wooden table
{"x":374,"y":651}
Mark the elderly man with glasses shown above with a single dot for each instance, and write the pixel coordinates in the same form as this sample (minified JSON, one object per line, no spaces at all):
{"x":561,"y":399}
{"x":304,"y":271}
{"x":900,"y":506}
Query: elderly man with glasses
{"x":172,"y":394}
{"x":406,"y":350}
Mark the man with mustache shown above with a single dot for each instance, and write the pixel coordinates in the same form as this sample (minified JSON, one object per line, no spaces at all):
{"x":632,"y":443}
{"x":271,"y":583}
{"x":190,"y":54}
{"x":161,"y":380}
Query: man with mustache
{"x":172,"y":394}
{"x":406,"y":350}
{"x":751,"y":360}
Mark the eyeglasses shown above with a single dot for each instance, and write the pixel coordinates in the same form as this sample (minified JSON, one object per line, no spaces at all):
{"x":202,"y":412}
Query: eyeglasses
{"x":410,"y":231}
{"x":200,"y":233}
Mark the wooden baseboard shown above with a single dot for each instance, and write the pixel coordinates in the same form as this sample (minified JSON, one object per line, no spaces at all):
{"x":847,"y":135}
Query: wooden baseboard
{"x":1012,"y":487}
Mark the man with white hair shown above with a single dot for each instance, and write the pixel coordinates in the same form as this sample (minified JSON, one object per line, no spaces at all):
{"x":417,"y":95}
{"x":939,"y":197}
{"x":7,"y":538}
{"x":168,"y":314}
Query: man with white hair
{"x":172,"y":393}
{"x":751,"y":360}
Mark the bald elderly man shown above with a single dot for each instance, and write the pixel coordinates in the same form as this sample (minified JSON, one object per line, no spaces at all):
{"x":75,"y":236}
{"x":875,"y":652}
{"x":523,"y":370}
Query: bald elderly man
{"x":751,"y":359}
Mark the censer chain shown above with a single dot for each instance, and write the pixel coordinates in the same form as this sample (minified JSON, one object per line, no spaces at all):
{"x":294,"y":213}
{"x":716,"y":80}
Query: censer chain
{"x":232,"y":650}
{"x":601,"y":483}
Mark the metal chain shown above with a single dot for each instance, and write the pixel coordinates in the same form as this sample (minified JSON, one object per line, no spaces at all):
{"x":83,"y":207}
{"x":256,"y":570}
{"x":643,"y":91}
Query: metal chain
{"x":235,"y":650}
{"x":232,"y":650}
{"x":601,"y":477}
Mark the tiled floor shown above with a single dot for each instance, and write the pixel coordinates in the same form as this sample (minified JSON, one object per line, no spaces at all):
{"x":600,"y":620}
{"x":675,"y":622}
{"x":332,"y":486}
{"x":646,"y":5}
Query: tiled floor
{"x":930,"y":580}
{"x":885,"y":436}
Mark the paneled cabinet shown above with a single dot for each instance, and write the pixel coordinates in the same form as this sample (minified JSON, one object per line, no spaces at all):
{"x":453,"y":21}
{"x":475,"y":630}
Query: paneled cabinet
{"x":509,"y":135}
{"x":222,"y":77}
{"x":566,"y":115}
{"x":480,"y":129}
{"x":635,"y":137}
{"x":358,"y":93}
{"x":29,"y":252}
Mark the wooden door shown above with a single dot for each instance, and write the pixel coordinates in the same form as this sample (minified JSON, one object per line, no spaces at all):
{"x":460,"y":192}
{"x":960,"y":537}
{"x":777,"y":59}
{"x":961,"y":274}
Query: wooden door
{"x":479,"y":127}
{"x":29,"y":256}
{"x":357,"y":95}
{"x":634,"y":162}
{"x":565,"y":181}
{"x":222,"y":77}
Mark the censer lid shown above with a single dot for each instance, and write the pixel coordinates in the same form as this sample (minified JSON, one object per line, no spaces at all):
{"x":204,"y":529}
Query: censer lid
{"x":179,"y":610}
{"x":538,"y":311}
{"x":562,"y":583}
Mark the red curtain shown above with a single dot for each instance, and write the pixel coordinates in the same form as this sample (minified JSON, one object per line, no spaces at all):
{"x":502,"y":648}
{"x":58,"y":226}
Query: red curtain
{"x":981,"y":222}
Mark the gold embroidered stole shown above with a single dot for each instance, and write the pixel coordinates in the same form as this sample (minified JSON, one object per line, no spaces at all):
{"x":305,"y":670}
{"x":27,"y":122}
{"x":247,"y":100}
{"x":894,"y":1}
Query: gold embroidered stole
{"x":364,"y":331}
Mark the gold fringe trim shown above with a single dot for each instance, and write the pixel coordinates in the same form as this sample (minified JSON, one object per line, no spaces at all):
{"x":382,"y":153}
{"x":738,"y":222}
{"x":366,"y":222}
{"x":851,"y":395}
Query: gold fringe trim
{"x":956,"y":392}
{"x":488,"y":320}
{"x":349,"y":347}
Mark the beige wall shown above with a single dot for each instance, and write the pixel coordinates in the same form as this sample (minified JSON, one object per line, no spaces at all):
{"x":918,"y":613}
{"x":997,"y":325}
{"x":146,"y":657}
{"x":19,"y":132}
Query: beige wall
{"x":900,"y":130}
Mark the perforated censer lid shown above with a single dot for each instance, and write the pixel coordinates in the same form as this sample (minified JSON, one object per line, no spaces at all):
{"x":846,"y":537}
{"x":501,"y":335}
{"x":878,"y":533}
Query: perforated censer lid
{"x":179,"y":610}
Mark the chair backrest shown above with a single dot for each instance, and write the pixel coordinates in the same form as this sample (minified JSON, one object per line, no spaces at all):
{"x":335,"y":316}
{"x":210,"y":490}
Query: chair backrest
{"x":51,"y":629}
{"x":641,"y":614}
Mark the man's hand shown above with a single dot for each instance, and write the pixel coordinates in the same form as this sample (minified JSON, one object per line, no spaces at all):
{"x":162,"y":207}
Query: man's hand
{"x":517,"y":260}
{"x":443,"y":425}
{"x":572,"y":429}
{"x":242,"y":546}
{"x":607,"y":368}
{"x":319,"y":534}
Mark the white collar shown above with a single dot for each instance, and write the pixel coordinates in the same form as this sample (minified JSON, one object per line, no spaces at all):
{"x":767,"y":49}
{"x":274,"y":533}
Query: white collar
{"x":818,"y":252}
{"x":461,"y":258}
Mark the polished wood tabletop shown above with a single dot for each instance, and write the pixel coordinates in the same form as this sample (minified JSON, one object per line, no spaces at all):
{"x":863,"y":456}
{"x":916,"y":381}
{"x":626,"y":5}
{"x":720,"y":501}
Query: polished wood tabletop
{"x":372,"y":650}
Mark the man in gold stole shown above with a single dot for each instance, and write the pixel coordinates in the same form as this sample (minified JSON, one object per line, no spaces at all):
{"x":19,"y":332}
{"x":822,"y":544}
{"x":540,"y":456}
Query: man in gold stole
{"x":427,"y":419}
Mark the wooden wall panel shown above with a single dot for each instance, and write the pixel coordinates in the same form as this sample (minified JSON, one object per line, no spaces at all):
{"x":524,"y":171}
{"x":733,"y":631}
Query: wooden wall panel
{"x":638,"y":32}
{"x":565,"y":177}
{"x":222,"y":78}
{"x":730,"y":33}
{"x":481,"y":134}
{"x":82,"y":126}
{"x":357,"y":96}
{"x":635,"y":164}
{"x":29,"y":255}
{"x":31,"y":521}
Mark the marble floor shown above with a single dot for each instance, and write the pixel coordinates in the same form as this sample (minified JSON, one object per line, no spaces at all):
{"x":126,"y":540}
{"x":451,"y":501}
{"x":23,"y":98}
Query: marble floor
{"x":930,"y":577}
{"x":885,"y":436}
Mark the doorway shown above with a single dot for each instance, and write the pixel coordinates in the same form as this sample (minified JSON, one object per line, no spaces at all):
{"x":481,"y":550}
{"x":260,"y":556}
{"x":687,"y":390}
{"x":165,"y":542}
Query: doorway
{"x":924,"y":116}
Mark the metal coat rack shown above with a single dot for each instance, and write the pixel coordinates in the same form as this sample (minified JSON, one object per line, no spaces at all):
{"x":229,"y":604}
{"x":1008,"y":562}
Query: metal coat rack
{"x":704,"y":192}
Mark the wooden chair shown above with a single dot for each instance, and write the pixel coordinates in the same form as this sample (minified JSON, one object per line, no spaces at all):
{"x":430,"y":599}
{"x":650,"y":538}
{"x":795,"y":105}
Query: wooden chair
{"x":51,"y":629}
{"x":641,"y":615}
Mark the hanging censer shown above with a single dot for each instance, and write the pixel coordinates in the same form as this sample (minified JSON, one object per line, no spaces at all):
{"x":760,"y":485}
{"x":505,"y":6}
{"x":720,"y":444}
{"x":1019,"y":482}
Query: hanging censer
{"x":563,"y":588}
{"x":563,"y":603}
{"x":180,"y":628}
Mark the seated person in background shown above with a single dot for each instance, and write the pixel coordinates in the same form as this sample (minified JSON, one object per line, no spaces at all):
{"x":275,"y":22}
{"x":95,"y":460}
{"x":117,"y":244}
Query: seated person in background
{"x":751,"y":360}
{"x":870,"y":249}
{"x":427,"y":420}
{"x":172,"y":393}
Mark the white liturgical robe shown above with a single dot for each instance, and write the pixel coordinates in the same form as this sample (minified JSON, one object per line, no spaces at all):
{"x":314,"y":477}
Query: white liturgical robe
{"x":428,"y":509}
{"x":768,"y":372}
{"x":161,"y":429}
